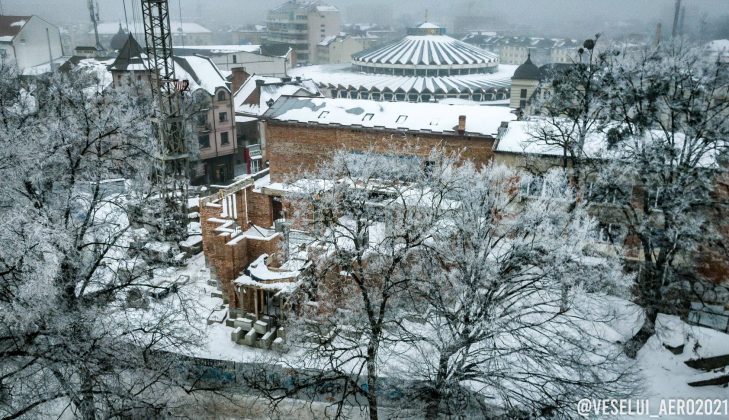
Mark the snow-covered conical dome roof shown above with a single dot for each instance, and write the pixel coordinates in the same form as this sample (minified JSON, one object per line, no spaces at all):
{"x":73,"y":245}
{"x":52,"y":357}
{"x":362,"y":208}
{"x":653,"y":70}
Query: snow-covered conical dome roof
{"x":119,"y":39}
{"x":426,"y":47}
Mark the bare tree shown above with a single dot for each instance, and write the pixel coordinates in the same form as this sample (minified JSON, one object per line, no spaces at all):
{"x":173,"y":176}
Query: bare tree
{"x":78,"y":332}
{"x":513,"y":306}
{"x":434,"y":260}
{"x":668,"y":146}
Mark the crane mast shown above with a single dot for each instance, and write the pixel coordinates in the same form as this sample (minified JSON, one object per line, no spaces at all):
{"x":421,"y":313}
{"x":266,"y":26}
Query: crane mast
{"x":172,"y":154}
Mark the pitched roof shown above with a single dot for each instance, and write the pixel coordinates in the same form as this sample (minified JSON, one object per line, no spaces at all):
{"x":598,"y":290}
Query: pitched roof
{"x":271,"y":89}
{"x":131,"y":57}
{"x":10,"y":26}
{"x":200,"y":71}
{"x":398,"y":116}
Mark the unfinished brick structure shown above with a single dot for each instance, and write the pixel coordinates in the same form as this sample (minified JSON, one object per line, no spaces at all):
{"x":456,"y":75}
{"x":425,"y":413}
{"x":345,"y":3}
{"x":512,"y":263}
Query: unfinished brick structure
{"x":236,"y":230}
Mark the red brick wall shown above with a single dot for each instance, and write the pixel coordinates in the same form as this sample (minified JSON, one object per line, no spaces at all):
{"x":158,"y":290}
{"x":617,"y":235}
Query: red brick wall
{"x":295,"y":147}
{"x":260,"y":210}
{"x":227,"y":261}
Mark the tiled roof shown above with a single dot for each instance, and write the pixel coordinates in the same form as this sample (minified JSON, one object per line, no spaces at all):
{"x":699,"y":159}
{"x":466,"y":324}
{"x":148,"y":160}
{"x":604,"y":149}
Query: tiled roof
{"x":10,"y":26}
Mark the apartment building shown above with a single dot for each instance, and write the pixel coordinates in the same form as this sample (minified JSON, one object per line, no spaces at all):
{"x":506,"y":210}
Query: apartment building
{"x":303,"y":24}
{"x":214,"y":125}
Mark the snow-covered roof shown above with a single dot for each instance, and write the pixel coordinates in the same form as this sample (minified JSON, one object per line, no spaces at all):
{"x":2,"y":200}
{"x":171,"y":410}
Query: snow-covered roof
{"x":327,"y":40}
{"x":271,"y":90}
{"x":527,"y":137}
{"x":426,"y":50}
{"x":10,"y":26}
{"x":111,"y":28}
{"x":341,"y":76}
{"x":200,"y":71}
{"x":218,"y":49}
{"x":400,"y":116}
{"x":305,"y":5}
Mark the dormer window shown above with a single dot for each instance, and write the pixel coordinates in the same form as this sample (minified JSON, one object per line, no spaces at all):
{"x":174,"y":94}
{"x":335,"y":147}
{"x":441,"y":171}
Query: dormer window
{"x":221,"y":96}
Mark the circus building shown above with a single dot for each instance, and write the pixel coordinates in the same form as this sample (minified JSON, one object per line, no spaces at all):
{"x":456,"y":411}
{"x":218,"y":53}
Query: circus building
{"x":425,"y":66}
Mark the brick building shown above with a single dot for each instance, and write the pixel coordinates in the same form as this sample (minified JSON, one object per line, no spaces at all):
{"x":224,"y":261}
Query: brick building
{"x":303,"y":131}
{"x":253,"y":95}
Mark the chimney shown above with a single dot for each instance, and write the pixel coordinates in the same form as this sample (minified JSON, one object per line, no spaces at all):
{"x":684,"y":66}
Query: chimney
{"x":461,"y":124}
{"x":255,"y":96}
{"x":239,"y":77}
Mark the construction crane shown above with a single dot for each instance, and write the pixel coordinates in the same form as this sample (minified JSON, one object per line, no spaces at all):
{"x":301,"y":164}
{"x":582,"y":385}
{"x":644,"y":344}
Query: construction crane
{"x":172,"y":164}
{"x":94,"y":13}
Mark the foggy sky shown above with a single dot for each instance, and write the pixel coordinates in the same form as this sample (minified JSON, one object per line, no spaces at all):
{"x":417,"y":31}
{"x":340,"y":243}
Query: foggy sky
{"x":549,"y":16}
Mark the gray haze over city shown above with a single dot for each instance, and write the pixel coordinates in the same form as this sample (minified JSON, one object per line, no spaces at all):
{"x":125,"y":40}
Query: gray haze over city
{"x":575,"y":18}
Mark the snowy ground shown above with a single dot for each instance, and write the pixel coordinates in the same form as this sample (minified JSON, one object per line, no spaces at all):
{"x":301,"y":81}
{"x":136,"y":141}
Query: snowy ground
{"x":666,"y":375}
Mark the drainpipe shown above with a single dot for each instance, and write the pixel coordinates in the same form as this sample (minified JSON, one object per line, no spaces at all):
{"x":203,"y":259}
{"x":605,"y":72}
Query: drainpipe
{"x":50,"y":52}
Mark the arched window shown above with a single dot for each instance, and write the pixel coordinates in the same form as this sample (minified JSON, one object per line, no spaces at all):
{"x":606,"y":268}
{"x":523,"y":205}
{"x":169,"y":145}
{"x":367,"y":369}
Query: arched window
{"x":221,"y":96}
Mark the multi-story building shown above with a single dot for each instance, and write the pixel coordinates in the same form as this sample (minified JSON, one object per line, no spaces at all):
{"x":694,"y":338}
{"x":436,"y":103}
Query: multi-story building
{"x":214,"y":125}
{"x":29,"y":41}
{"x":267,"y":59}
{"x":515,"y":49}
{"x":338,"y":49}
{"x":253,"y":95}
{"x":303,"y":24}
{"x":249,"y":34}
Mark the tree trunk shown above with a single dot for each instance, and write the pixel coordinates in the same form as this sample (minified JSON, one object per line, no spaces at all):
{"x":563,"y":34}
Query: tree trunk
{"x":633,"y":346}
{"x":88,"y":405}
{"x":432,"y":407}
{"x":372,"y":384}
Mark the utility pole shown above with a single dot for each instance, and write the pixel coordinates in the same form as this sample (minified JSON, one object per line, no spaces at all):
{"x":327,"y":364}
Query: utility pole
{"x":94,"y":13}
{"x":172,"y":155}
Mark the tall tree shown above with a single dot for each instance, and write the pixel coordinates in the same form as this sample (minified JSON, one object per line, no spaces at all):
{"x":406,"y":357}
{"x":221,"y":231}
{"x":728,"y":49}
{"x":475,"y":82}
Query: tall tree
{"x":667,"y":146}
{"x":435,"y":260}
{"x":74,"y":331}
{"x":513,"y":305}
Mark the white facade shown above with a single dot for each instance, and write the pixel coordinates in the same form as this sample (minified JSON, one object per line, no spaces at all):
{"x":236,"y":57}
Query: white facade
{"x":250,"y":57}
{"x":24,"y":40}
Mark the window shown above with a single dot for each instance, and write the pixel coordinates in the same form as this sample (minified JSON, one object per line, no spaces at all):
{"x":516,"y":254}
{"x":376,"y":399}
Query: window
{"x":401,"y":118}
{"x":202,"y":119}
{"x":235,"y":59}
{"x":610,"y":233}
{"x":368,"y":116}
{"x":223,"y":116}
{"x":221,"y":97}
{"x":523,"y":93}
{"x":204,"y":141}
{"x":224,"y":140}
